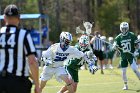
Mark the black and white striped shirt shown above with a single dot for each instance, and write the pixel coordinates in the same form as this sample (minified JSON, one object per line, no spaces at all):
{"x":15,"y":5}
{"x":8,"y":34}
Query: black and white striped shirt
{"x":15,"y":45}
{"x":96,"y":43}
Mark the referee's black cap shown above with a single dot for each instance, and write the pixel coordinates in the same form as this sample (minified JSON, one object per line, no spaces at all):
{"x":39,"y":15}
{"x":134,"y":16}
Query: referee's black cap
{"x":11,"y":10}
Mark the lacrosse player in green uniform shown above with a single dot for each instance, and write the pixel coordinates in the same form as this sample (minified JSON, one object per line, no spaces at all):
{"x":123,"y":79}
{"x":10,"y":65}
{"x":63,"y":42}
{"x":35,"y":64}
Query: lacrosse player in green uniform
{"x":126,"y":43}
{"x":73,"y":65}
{"x":110,"y":52}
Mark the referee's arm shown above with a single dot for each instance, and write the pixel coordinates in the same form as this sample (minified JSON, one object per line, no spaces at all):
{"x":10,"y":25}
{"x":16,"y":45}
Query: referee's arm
{"x":34,"y":69}
{"x":31,"y":52}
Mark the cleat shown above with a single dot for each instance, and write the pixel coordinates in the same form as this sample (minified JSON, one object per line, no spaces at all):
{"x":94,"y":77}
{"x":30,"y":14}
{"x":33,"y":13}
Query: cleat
{"x":125,"y":87}
{"x":102,"y":72}
{"x":111,"y":67}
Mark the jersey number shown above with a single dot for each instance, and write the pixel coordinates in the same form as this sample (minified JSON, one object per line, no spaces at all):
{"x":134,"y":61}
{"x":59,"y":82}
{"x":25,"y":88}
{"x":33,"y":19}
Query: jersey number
{"x":126,"y":47}
{"x":58,"y":58}
{"x":10,"y":41}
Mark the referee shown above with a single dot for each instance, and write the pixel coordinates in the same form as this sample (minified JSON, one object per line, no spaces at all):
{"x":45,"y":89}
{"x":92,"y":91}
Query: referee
{"x":15,"y":45}
{"x":97,"y":45}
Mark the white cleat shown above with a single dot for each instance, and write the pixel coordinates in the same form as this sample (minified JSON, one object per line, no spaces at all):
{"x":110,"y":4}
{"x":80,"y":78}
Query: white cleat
{"x":125,"y":87}
{"x":58,"y":92}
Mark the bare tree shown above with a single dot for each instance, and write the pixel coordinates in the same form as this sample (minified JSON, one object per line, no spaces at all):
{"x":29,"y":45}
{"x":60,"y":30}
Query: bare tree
{"x":57,"y":11}
{"x":138,"y":13}
{"x":88,"y":10}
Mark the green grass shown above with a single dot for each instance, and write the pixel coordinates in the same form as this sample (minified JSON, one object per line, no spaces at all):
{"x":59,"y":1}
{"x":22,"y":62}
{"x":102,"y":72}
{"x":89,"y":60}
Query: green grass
{"x":110,"y":82}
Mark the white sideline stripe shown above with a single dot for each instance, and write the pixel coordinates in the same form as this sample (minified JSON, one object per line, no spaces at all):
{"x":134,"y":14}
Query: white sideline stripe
{"x":84,"y":84}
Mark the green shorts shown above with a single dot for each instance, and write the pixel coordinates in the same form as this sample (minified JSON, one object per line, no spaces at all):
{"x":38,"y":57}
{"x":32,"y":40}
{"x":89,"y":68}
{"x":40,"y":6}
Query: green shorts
{"x":105,"y":55}
{"x":73,"y":73}
{"x":138,"y":57}
{"x":110,"y":54}
{"x":124,"y":62}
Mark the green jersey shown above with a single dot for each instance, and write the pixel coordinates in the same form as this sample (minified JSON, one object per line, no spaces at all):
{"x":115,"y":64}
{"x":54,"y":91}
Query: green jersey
{"x":76,"y":63}
{"x":127,"y":44}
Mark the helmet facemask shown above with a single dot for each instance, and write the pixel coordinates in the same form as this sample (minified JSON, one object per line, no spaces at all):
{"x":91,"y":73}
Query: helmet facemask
{"x":124,"y":27}
{"x":83,"y":46}
{"x":84,"y":42}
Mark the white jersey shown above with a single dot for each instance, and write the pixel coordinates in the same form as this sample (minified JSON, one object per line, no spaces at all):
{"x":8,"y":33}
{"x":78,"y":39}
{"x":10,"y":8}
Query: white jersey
{"x":58,"y":56}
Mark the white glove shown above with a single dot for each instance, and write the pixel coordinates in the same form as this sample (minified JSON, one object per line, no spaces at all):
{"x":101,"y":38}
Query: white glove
{"x":136,"y":53}
{"x":115,"y":46}
{"x":91,"y":56}
{"x":92,"y":68}
{"x":47,"y":61}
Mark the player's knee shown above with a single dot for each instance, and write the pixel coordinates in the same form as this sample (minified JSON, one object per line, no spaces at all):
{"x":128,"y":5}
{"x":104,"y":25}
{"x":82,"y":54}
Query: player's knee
{"x":68,"y":81}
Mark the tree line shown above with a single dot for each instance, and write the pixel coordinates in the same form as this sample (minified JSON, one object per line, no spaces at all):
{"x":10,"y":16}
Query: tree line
{"x":66,"y":15}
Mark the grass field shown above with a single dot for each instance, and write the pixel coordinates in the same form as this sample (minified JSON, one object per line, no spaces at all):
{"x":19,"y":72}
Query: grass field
{"x":110,"y":82}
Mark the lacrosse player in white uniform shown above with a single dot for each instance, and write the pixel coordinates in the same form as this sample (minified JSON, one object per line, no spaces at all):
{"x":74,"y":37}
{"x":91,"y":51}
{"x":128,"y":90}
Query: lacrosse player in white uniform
{"x":54,"y":59}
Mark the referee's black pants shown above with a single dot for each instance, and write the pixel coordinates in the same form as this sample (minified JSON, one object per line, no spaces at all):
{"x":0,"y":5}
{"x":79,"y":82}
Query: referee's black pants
{"x":14,"y":84}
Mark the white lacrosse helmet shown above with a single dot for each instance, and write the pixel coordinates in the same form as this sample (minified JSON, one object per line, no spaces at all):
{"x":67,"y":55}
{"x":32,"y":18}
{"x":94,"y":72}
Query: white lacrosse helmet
{"x":138,"y":37}
{"x":65,"y":38}
{"x":103,"y":37}
{"x":110,"y":39}
{"x":124,"y":27}
{"x":84,"y":42}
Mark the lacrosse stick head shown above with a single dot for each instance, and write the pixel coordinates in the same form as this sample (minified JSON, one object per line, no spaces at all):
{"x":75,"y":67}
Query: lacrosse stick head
{"x":88,"y":27}
{"x":78,"y":30}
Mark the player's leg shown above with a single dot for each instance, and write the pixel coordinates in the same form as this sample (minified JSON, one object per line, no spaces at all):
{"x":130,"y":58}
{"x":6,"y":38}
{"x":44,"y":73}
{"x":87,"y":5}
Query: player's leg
{"x":110,"y":65}
{"x":65,"y":90}
{"x":135,"y":68}
{"x":124,"y":65}
{"x":68,"y":82}
{"x":75,"y":79}
{"x":101,"y":58}
{"x":46,"y":75}
{"x":42,"y":84}
{"x":74,"y":76}
{"x":105,"y":65}
{"x":61,"y":74}
{"x":124,"y":78}
{"x":138,"y":62}
{"x":110,"y":56}
{"x":96,"y":54}
{"x":74,"y":87}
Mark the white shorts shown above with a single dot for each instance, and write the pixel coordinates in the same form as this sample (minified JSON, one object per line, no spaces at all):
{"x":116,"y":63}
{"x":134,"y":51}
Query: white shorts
{"x":48,"y":73}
